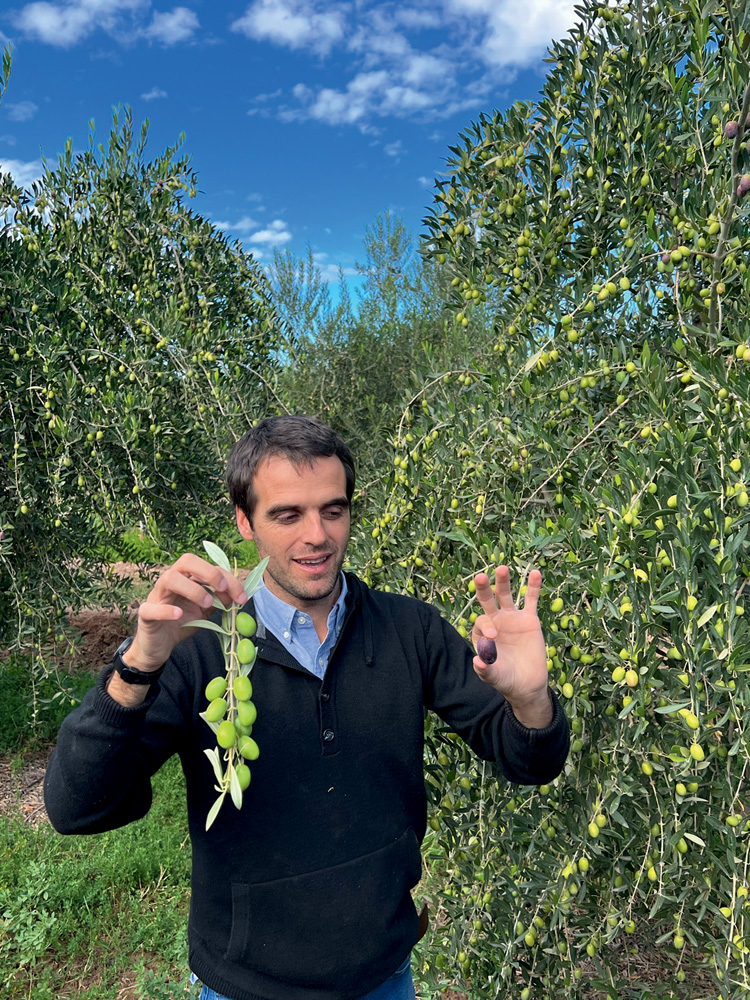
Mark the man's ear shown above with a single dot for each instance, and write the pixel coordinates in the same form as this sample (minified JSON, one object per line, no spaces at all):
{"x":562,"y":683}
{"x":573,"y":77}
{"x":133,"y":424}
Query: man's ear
{"x":243,"y":525}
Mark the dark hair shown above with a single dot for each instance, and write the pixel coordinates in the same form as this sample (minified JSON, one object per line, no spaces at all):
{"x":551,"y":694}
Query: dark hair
{"x":300,"y":439}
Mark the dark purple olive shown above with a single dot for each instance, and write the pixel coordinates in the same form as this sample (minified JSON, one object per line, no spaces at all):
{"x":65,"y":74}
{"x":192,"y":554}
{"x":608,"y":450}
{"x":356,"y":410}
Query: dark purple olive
{"x":487,"y":650}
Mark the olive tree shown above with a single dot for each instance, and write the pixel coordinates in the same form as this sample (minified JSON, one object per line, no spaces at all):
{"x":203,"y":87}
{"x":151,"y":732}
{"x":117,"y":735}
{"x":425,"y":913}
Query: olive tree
{"x":603,"y":439}
{"x":353,"y":362}
{"x":136,"y":344}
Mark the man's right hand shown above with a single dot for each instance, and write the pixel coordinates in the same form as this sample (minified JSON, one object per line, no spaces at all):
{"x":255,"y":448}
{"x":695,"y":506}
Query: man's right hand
{"x":181,"y":594}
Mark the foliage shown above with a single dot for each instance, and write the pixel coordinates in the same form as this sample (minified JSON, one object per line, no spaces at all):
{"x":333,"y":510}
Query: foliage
{"x":135,"y":346}
{"x":64,"y":933}
{"x":604,"y":439}
{"x":33,"y":702}
{"x":365,"y":357}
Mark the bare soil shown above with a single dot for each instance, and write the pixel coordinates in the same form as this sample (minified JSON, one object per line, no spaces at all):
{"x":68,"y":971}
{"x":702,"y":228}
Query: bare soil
{"x":101,"y":632}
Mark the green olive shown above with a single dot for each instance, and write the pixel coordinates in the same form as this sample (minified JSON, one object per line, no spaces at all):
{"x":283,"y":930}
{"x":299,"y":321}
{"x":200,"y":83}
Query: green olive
{"x":243,"y":689}
{"x":245,"y":651}
{"x":245,"y":624}
{"x":216,"y":688}
{"x":248,"y":748}
{"x":216,"y":710}
{"x":242,"y":730}
{"x":226,"y":735}
{"x":243,"y":775}
{"x":247,"y":713}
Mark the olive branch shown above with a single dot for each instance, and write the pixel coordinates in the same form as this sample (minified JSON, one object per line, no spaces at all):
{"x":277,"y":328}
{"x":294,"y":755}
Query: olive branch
{"x":230,"y":723}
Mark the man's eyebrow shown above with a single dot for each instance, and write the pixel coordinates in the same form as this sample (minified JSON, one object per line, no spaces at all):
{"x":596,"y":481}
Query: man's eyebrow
{"x":285,"y":508}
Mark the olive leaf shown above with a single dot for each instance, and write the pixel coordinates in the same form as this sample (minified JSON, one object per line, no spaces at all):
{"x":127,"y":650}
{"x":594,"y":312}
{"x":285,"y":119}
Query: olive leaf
{"x":217,"y":555}
{"x":234,"y":788}
{"x":214,"y":811}
{"x":204,"y":623}
{"x":707,"y":615}
{"x":253,"y":581}
{"x":213,"y":756}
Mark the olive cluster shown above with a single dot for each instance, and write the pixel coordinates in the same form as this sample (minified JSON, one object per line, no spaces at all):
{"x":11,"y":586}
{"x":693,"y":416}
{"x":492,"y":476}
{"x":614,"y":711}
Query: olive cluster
{"x":229,"y":701}
{"x":230,"y":712}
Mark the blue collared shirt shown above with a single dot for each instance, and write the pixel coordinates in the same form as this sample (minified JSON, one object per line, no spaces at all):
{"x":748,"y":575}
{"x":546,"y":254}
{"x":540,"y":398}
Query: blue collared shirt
{"x":295,"y":629}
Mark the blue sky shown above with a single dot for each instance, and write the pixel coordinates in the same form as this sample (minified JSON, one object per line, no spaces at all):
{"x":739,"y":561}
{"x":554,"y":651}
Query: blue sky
{"x":304,"y":119}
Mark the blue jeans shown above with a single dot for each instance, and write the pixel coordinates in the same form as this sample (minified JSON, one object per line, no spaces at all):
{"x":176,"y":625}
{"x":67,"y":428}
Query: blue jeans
{"x":400,"y":986}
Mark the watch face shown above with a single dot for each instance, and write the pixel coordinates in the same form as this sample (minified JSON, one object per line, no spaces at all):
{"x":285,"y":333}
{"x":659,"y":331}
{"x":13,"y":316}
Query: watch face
{"x":130,"y":674}
{"x":125,"y":645}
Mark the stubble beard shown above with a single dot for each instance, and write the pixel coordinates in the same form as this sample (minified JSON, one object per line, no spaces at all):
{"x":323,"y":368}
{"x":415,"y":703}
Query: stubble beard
{"x":315,"y":590}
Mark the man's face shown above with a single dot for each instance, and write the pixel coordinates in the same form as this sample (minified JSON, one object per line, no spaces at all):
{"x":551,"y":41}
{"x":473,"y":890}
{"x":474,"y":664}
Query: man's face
{"x":301,"y":522}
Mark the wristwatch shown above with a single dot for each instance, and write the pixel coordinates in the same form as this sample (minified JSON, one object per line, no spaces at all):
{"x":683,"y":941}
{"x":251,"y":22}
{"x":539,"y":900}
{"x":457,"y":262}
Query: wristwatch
{"x":130,"y":674}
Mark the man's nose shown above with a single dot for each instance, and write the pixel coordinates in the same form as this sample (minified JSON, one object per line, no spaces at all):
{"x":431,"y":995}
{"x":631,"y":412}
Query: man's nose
{"x":315,"y":533}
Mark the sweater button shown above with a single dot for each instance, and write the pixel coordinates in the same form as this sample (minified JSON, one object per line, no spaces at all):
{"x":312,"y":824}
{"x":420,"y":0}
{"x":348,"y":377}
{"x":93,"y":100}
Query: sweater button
{"x":328,"y":735}
{"x":325,"y":696}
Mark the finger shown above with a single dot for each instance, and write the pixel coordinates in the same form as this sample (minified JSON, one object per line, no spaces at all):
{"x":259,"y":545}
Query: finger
{"x":484,"y":593}
{"x":533,"y":589}
{"x":503,"y":593}
{"x":210,"y":575}
{"x":484,"y":671}
{"x":175,"y":584}
{"x":232,"y":587}
{"x":484,"y":628}
{"x":149,"y":611}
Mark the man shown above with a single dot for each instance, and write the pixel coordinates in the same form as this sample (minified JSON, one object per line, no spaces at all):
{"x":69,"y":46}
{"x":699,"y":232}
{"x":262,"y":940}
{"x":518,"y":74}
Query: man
{"x":304,"y":894}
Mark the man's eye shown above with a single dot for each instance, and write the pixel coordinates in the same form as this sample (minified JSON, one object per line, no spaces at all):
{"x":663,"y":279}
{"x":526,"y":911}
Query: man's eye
{"x":333,"y":513}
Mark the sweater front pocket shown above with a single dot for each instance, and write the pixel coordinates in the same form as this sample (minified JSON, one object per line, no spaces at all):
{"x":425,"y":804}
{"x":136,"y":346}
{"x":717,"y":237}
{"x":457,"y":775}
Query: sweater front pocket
{"x":334,"y":928}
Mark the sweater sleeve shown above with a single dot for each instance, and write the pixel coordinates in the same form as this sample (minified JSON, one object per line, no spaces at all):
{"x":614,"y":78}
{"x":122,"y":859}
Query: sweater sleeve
{"x":99,"y":775}
{"x":482,"y":717}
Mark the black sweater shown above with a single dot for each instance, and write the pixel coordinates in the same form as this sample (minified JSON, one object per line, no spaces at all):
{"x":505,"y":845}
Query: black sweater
{"x":304,"y":894}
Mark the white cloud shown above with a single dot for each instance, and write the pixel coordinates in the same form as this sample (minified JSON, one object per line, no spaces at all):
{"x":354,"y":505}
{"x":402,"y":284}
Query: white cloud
{"x":243,"y":225}
{"x":425,"y":182}
{"x":70,"y":22}
{"x":331,"y":273}
{"x":171,"y":28}
{"x":412,"y":18}
{"x":277,"y":234}
{"x":154,"y":94}
{"x":376,"y":93}
{"x":23,"y":173}
{"x":9,"y":139}
{"x":513,"y":41}
{"x":23,"y":111}
{"x":295,"y":24}
{"x":395,"y":70}
{"x":394,"y":149}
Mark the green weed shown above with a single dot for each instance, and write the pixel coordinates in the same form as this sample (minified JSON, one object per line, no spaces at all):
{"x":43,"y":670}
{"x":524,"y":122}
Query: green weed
{"x":74,"y":911}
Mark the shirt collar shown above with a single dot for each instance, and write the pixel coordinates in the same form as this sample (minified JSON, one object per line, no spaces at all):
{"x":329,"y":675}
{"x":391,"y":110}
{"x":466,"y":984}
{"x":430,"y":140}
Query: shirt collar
{"x":279,"y":616}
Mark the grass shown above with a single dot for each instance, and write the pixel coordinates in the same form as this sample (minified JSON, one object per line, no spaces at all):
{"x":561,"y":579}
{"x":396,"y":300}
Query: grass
{"x":32,"y":705}
{"x":85,"y":916}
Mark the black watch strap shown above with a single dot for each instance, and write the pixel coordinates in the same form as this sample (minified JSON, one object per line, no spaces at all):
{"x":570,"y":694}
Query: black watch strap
{"x":130,"y":674}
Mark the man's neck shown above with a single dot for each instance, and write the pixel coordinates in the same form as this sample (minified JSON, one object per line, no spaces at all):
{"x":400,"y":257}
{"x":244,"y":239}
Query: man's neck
{"x":318,"y":610}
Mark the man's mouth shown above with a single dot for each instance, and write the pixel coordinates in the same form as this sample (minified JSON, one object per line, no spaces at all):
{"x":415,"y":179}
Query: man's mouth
{"x":314,"y":563}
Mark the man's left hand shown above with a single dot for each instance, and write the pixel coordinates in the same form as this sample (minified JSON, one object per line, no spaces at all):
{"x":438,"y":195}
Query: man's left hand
{"x":519,"y":671}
